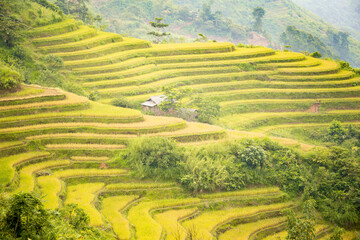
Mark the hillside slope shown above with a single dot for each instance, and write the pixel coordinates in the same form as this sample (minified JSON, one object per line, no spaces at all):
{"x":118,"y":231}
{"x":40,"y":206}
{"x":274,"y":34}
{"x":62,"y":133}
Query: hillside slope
{"x":53,"y":142}
{"x":344,"y":14}
{"x":60,"y":145}
{"x":225,"y":20}
{"x":255,"y":87}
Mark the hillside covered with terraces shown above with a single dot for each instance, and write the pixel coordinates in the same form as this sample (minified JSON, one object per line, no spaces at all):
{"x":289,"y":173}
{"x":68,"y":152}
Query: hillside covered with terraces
{"x":232,"y":180}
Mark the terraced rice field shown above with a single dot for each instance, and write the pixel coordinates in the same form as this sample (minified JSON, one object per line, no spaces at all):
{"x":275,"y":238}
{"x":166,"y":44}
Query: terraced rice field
{"x":243,"y":80}
{"x":60,"y":145}
{"x":51,"y":139}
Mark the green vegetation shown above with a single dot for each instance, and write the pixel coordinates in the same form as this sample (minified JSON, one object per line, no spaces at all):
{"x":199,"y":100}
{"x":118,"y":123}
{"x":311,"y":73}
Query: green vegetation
{"x":9,"y":79}
{"x":156,"y":157}
{"x":129,"y":171}
{"x":303,"y":41}
{"x":24,"y":217}
{"x":258,"y":14}
{"x":158,"y":34}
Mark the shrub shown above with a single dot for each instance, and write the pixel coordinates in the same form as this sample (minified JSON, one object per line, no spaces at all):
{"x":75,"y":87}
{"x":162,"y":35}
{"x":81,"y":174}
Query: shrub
{"x":209,"y":169}
{"x":153,"y":157}
{"x":94,"y":95}
{"x":122,"y":102}
{"x":316,"y":55}
{"x":54,"y":62}
{"x":253,"y":156}
{"x":207,"y":109}
{"x":75,"y":216}
{"x":204,"y":174}
{"x":336,"y":132}
{"x":10,"y":26}
{"x":9,"y":79}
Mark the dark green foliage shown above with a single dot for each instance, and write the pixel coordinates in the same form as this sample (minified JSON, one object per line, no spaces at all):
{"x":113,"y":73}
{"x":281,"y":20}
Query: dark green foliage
{"x":208,"y":109}
{"x":48,"y":5}
{"x":258,"y":14}
{"x":10,"y":26}
{"x":336,"y":235}
{"x":346,"y":66}
{"x":330,"y":178}
{"x":302,"y":228}
{"x":335,"y":185}
{"x":75,"y":216}
{"x":336,"y":132}
{"x":253,"y":156}
{"x":153,"y":157}
{"x":23,"y":217}
{"x":303,"y":41}
{"x":316,"y":55}
{"x":26,"y":218}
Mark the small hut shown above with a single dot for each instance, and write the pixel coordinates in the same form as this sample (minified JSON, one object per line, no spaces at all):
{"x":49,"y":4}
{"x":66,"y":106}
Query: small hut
{"x":152,"y":104}
{"x":103,"y":166}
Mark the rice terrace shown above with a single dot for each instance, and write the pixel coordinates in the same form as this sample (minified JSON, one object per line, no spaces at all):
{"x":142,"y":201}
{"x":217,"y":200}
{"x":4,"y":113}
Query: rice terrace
{"x":176,"y":136}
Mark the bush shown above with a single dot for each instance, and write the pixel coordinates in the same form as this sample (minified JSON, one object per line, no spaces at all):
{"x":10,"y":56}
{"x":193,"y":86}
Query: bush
{"x":9,"y":79}
{"x":336,"y":132}
{"x":122,"y":102}
{"x":252,"y":156}
{"x":54,"y":62}
{"x":316,"y":55}
{"x":94,"y":95}
{"x":208,"y":109}
{"x":208,"y":175}
{"x":153,"y":157}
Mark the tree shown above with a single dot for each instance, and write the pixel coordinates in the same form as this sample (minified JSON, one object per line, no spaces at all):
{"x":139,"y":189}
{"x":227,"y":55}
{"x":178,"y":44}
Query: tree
{"x":344,"y":42}
{"x":316,"y":55}
{"x":173,"y":98}
{"x":10,"y":26}
{"x":75,"y":216}
{"x":78,"y":9}
{"x":302,"y":228}
{"x":153,"y":157}
{"x":206,"y":13}
{"x":208,"y":109}
{"x":258,"y":14}
{"x":336,"y":132}
{"x":201,"y":38}
{"x":253,"y":156}
{"x":26,"y":218}
{"x":159,"y":33}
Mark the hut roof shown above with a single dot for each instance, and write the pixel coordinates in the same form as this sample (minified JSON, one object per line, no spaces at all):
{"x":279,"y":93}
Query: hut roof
{"x":154,"y":101}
